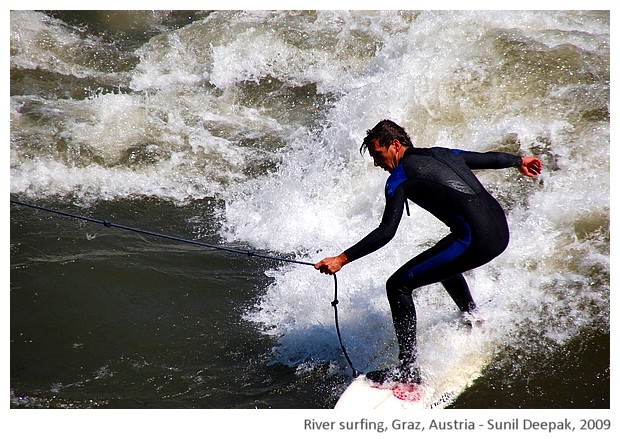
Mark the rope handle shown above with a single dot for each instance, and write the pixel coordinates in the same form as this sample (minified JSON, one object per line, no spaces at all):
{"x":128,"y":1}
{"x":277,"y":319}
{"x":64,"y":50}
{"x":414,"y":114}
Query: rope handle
{"x":335,"y":305}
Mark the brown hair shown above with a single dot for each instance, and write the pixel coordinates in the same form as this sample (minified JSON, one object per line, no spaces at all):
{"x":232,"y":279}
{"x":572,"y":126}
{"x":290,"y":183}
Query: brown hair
{"x":385,"y":132}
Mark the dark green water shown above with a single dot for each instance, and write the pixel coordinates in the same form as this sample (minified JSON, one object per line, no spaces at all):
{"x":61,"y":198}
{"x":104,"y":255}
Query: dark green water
{"x":107,"y":318}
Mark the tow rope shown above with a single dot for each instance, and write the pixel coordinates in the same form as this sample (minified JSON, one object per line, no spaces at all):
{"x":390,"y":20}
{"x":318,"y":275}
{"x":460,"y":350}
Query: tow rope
{"x":248,"y":252}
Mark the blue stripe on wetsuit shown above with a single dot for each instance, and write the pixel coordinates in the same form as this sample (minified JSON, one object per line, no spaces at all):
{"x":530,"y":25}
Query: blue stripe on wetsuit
{"x":397,"y":177}
{"x":455,"y":250}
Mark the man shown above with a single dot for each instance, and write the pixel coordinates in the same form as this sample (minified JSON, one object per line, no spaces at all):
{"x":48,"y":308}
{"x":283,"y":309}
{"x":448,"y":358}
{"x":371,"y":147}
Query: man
{"x":439,"y":180}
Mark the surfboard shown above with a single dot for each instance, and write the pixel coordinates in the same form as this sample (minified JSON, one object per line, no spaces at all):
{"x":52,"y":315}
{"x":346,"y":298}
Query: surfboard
{"x":364,"y":394}
{"x":444,"y":380}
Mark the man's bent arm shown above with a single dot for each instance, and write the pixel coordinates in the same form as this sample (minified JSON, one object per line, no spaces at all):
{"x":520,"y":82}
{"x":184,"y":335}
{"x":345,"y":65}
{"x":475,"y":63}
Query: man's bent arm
{"x":374,"y":240}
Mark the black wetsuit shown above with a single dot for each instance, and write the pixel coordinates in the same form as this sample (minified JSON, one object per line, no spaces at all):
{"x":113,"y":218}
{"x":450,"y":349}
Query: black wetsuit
{"x":439,"y":180}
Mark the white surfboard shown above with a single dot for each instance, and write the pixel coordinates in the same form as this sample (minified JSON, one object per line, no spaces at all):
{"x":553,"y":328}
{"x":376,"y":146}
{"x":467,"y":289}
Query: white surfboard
{"x":444,"y":380}
{"x":364,"y":394}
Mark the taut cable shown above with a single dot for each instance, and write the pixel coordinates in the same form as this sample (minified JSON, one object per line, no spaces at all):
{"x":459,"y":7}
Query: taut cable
{"x":248,"y":252}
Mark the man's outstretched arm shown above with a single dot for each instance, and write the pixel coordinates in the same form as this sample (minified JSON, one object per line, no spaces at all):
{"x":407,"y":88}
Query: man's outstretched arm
{"x":528,"y":166}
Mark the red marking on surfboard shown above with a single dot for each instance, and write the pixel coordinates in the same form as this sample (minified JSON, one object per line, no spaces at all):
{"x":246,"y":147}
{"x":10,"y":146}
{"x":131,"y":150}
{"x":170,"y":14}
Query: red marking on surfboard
{"x":407,"y":392}
{"x":403,"y":391}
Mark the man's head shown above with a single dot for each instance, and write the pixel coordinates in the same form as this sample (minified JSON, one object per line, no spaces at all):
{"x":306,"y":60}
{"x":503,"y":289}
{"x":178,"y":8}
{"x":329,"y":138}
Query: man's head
{"x":386,"y":143}
{"x":385,"y":132}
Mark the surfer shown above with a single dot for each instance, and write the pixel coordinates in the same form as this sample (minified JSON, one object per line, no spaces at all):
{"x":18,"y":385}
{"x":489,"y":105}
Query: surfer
{"x":440,"y":181}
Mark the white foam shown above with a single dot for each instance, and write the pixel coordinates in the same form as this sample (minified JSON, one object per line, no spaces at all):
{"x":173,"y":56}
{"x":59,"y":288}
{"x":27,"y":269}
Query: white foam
{"x":327,"y":195}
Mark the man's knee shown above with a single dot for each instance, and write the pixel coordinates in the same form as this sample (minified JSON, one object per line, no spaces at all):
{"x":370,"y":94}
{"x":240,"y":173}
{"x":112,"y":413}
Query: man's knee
{"x":396,"y":287}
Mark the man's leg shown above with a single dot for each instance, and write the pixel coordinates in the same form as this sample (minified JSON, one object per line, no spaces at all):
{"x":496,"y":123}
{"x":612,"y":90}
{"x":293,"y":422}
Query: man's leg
{"x":457,"y":288}
{"x":432,"y":265}
{"x":404,"y":319}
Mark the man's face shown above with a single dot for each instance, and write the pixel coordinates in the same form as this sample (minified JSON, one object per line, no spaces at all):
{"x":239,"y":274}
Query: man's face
{"x":386,"y":158}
